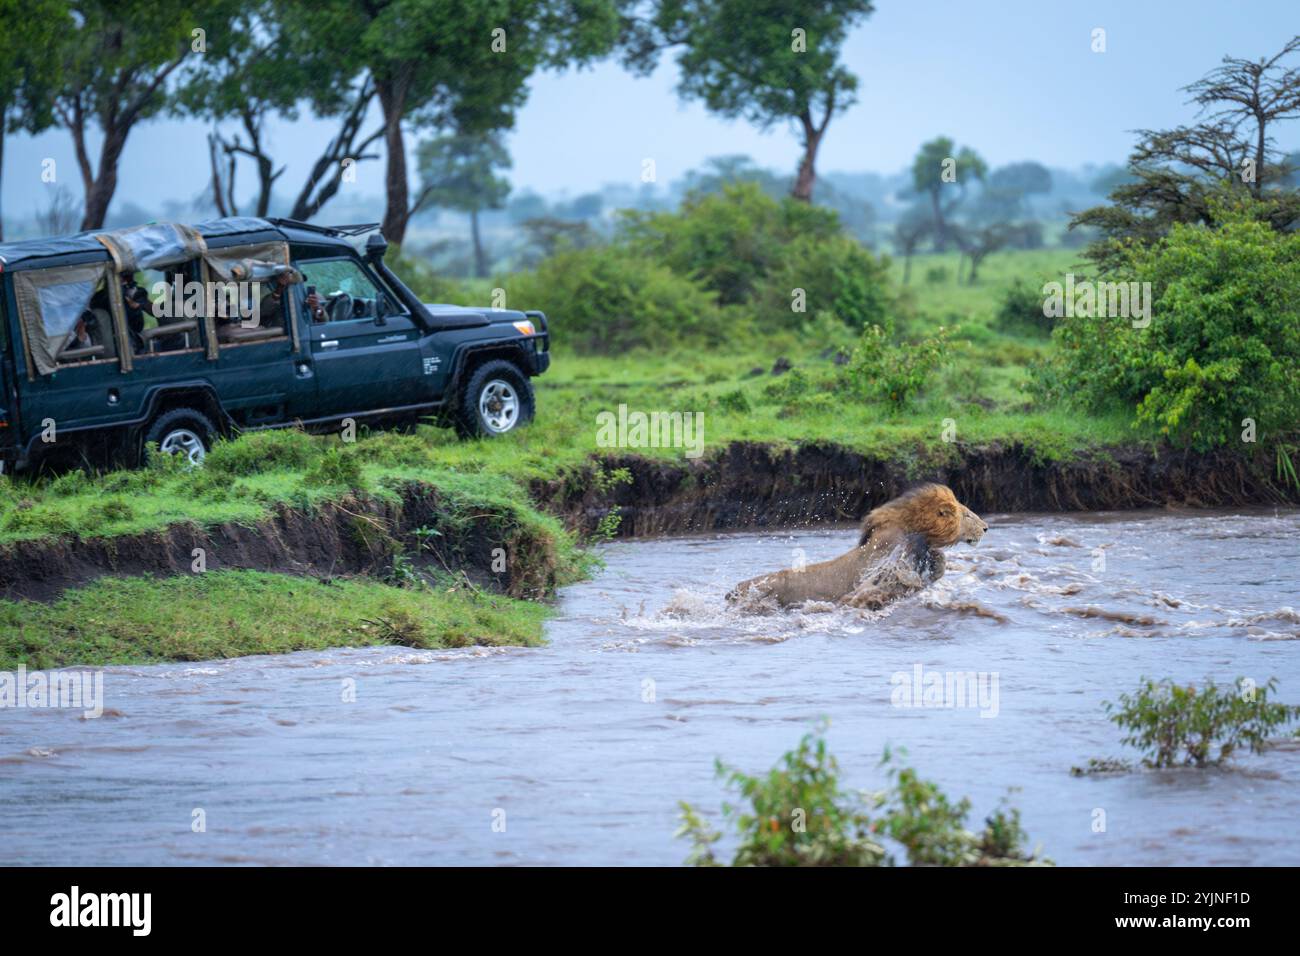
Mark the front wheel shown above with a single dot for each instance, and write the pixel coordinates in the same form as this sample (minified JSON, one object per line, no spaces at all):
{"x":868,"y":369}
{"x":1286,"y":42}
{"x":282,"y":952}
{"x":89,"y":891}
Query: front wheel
{"x":496,"y":399}
{"x":182,"y":431}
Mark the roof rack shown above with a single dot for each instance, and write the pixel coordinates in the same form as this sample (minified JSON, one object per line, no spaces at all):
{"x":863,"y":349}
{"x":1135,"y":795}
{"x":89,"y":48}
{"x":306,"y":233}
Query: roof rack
{"x":353,"y":229}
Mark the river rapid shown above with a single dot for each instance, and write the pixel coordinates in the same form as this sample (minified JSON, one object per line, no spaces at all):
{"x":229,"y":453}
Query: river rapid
{"x":578,"y":752}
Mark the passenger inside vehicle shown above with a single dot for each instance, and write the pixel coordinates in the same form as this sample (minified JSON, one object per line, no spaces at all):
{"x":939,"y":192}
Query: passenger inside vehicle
{"x":90,"y":338}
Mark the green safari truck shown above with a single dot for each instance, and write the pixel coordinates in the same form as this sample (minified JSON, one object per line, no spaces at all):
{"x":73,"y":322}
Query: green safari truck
{"x":179,"y":334}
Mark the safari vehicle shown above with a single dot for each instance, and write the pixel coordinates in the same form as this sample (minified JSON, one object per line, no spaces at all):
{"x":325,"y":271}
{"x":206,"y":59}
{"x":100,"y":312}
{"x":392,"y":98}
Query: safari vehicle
{"x":153,"y":334}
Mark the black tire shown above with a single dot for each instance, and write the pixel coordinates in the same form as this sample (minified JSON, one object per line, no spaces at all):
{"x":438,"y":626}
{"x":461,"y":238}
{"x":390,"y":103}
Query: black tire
{"x":177,"y":427}
{"x":485,"y":402}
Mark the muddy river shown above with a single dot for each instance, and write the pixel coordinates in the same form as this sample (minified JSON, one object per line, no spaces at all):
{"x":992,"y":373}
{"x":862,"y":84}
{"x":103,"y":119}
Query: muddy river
{"x":577,"y":753}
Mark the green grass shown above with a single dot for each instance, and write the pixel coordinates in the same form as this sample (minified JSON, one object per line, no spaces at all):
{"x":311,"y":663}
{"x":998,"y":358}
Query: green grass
{"x":225,"y":614}
{"x":996,"y":273}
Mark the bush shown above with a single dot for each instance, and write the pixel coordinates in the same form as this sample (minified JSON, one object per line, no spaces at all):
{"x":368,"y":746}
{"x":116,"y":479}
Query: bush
{"x":426,"y":282}
{"x":893,"y":372}
{"x":932,"y":829}
{"x":798,"y":815}
{"x":609,"y":299}
{"x":1021,"y":310}
{"x":839,"y":276}
{"x":1173,"y":724}
{"x":1223,"y":342}
{"x":730,"y":241}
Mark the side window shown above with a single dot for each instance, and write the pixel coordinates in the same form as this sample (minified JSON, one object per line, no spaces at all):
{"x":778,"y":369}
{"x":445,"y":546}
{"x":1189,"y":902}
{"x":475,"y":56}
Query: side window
{"x":78,"y":315}
{"x":66,"y":317}
{"x":163,"y":307}
{"x":345,"y":290}
{"x":251,"y":310}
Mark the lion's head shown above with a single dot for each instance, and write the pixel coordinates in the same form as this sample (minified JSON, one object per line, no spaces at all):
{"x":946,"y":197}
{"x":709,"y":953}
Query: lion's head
{"x":930,"y":509}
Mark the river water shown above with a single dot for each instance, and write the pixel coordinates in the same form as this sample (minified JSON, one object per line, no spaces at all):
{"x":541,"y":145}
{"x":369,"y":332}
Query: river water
{"x":577,"y":752}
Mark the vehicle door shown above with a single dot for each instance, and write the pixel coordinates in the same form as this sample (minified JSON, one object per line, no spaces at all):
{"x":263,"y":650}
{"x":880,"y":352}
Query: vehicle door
{"x":364,"y":360}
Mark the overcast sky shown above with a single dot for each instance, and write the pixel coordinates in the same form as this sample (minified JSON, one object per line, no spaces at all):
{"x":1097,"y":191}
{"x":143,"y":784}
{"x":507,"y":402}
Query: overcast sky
{"x":1015,"y":79}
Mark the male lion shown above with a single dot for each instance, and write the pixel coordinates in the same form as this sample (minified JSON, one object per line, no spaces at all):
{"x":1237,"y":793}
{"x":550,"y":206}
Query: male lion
{"x":898,"y":552}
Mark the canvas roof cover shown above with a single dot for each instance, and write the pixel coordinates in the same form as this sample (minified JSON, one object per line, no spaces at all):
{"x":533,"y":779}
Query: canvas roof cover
{"x":32,"y":250}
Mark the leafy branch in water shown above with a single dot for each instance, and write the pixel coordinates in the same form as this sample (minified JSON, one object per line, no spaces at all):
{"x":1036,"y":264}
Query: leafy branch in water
{"x":1175,"y":725}
{"x":798,"y":815}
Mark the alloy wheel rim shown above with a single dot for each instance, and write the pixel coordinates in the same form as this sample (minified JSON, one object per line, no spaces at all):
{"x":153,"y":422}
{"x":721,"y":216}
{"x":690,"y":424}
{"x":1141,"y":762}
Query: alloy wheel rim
{"x":182,"y":441}
{"x":498,"y":406}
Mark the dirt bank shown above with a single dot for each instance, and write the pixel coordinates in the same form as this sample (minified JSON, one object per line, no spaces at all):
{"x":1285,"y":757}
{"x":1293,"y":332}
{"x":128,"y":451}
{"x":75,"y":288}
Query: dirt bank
{"x":747,"y":485}
{"x":346,"y":537}
{"x":753,"y":485}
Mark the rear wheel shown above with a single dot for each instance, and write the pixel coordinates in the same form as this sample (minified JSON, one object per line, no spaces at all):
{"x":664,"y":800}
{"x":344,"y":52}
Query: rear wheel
{"x":182,"y":431}
{"x":496,"y":399}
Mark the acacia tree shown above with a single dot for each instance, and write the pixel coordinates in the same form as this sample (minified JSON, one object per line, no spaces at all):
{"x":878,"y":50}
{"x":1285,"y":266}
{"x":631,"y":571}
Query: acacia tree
{"x":454,"y":65}
{"x":913,"y":226}
{"x":1177,"y":176}
{"x":939,"y":165}
{"x":766,"y":61}
{"x":117,"y":58}
{"x":28,"y":76}
{"x":459,"y":172}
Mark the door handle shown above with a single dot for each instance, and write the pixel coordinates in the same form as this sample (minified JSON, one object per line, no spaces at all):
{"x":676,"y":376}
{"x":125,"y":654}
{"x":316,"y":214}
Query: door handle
{"x":332,"y":343}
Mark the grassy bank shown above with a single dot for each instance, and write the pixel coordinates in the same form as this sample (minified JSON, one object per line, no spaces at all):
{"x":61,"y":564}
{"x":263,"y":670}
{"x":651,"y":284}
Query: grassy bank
{"x":235,"y":613}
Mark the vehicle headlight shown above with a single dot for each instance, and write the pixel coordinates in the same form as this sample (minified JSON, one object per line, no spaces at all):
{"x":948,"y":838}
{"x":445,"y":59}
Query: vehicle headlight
{"x":525,"y":327}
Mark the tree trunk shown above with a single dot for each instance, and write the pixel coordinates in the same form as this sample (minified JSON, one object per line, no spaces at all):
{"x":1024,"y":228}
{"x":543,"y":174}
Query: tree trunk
{"x":100,"y":188}
{"x":397,"y":209}
{"x":807,"y":178}
{"x":480,"y":258}
{"x":1258,"y":184}
{"x":940,"y":228}
{"x":907,"y":267}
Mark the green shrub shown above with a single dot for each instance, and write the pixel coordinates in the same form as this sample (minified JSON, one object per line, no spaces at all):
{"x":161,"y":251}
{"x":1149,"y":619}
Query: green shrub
{"x":427,"y":283}
{"x":1020,"y":310}
{"x":937,"y":275}
{"x":895,"y":372}
{"x":731,"y":240}
{"x":798,"y":815}
{"x":839,"y":276}
{"x":287,"y":449}
{"x":609,"y":299}
{"x":734,"y":401}
{"x":932,"y":829}
{"x":1223,"y":343}
{"x":1172,"y":724}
